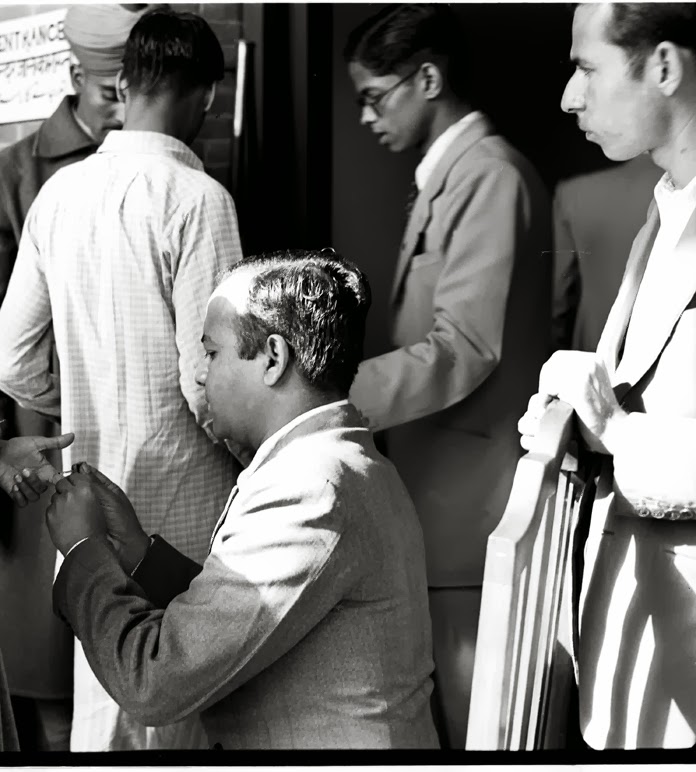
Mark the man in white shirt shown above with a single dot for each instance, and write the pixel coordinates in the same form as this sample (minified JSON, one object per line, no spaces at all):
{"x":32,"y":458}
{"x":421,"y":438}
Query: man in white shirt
{"x":119,"y":255}
{"x":307,"y":625}
{"x":470,"y":313}
{"x":37,"y":649}
{"x":634,"y":91}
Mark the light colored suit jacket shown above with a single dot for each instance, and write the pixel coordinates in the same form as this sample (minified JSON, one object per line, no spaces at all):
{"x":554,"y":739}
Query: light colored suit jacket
{"x":596,"y":218}
{"x":308,"y":625}
{"x":659,"y":388}
{"x":471,"y":321}
{"x":640,"y":563}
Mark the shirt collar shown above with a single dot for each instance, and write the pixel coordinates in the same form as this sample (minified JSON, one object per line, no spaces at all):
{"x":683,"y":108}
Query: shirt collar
{"x":150,"y":142}
{"x":60,"y":135}
{"x":269,"y":444}
{"x":440,"y":146}
{"x":670,"y":198}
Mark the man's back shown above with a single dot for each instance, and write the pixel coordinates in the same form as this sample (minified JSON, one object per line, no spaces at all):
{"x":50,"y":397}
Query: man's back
{"x":129,"y":242}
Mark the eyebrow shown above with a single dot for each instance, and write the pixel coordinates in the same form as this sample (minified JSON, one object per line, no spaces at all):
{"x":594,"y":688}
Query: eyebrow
{"x":578,"y":61}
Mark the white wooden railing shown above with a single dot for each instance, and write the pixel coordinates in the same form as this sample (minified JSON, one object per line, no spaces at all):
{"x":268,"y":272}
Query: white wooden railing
{"x":523,"y":670}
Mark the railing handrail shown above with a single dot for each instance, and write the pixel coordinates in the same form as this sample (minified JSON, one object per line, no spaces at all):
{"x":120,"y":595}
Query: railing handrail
{"x":528,"y":531}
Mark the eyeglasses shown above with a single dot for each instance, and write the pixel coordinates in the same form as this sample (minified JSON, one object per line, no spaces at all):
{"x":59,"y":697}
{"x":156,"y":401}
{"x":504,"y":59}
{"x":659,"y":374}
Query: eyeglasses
{"x":374,"y":102}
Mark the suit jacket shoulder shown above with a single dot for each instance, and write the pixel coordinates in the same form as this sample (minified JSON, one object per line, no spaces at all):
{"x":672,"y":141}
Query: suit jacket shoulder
{"x":480,"y":148}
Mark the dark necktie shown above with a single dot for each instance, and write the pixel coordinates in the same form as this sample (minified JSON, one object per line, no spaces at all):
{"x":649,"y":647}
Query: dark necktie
{"x":411,"y":200}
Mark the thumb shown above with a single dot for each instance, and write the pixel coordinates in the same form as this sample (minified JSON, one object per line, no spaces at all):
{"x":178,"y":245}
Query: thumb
{"x":51,"y":443}
{"x":102,"y":478}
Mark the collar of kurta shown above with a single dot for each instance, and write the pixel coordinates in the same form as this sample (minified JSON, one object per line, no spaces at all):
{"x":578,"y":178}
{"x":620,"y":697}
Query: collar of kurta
{"x":150,"y":143}
{"x":60,"y":134}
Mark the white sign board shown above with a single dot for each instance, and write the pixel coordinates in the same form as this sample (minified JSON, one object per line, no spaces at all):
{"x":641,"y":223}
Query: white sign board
{"x":34,"y":66}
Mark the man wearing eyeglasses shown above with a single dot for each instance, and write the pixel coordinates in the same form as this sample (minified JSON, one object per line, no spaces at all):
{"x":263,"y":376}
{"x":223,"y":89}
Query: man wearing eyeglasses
{"x":470,"y":312}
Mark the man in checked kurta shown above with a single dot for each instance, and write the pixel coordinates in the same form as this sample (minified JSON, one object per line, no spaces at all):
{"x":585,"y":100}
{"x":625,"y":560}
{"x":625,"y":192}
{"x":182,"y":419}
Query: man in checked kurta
{"x":119,"y":255}
{"x":37,"y":647}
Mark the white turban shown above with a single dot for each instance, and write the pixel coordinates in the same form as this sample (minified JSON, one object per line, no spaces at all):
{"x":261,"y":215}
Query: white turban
{"x":97,"y":34}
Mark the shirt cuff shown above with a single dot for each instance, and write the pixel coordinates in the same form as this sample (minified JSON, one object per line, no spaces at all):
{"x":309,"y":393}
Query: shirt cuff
{"x":76,"y":544}
{"x":132,"y":573}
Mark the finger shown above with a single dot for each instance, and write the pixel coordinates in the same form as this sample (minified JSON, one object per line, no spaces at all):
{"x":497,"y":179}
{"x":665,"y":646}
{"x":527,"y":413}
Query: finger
{"x":90,"y":470}
{"x":56,"y":443}
{"x":538,"y":404}
{"x":31,"y":486}
{"x":548,"y":381}
{"x":28,"y":492}
{"x":527,"y":442}
{"x":528,"y":424}
{"x":31,"y":477}
{"x":52,"y":476}
{"x":64,"y":484}
{"x":17,"y":496}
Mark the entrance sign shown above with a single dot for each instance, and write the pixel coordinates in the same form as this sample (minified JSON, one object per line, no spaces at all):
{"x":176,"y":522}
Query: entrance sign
{"x":34,"y":66}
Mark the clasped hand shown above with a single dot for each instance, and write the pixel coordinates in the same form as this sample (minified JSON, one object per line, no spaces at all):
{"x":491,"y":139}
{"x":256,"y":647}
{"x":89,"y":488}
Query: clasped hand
{"x":580,"y":379}
{"x":88,"y":504}
{"x":25,"y":472}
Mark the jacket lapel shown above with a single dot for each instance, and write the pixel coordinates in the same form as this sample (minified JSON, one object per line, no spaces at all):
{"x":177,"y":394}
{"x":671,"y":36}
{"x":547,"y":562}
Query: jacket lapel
{"x":223,"y":516}
{"x":340,"y":417}
{"x":614,"y":331}
{"x":679,"y":291}
{"x":422,"y":208}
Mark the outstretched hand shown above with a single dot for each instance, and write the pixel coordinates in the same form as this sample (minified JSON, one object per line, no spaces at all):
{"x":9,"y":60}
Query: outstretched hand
{"x":25,"y":472}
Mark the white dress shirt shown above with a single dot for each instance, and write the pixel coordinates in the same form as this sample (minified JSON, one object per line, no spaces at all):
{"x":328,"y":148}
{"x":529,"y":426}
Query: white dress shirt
{"x":439,"y":147}
{"x":676,"y":206}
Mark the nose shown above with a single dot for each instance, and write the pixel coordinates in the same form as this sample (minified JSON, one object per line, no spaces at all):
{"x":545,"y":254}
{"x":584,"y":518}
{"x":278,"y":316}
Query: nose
{"x":202,"y":372}
{"x":573,"y":99}
{"x":368,"y":116}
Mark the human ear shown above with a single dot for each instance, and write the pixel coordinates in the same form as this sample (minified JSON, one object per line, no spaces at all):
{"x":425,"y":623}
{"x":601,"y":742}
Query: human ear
{"x":77,"y":78}
{"x":431,"y":79}
{"x":121,"y":86}
{"x":209,"y":97}
{"x":277,"y":355}
{"x":666,"y":65}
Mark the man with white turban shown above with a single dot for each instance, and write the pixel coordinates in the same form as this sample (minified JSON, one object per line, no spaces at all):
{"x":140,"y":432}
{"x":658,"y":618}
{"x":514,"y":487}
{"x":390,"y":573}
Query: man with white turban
{"x":36,"y":647}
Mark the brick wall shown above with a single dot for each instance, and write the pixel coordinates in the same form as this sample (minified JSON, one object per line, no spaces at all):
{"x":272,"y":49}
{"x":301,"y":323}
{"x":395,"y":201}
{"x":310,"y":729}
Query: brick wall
{"x":213,"y":145}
